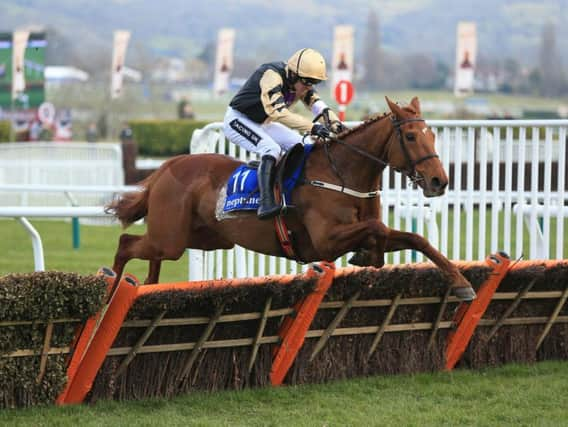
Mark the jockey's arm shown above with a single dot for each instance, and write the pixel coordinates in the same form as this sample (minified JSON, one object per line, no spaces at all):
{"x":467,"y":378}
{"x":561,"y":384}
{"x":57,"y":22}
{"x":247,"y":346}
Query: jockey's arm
{"x":275,"y":105}
{"x":313,"y":102}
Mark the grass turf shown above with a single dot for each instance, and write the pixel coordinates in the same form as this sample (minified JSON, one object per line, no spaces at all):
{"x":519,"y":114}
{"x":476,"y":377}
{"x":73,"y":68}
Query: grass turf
{"x":97,"y":248}
{"x":510,"y":395}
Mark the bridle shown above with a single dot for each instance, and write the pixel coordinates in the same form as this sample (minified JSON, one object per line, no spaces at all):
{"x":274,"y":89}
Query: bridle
{"x":409,"y":171}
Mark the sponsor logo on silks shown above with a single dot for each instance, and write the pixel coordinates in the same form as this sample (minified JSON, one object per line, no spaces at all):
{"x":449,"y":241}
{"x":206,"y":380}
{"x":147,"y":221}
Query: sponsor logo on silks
{"x":245,"y":131}
{"x":243,"y":203}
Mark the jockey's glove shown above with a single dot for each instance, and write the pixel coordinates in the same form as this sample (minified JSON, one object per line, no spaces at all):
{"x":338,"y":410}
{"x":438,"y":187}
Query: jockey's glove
{"x":338,"y":127}
{"x":320,"y":130}
{"x":332,"y":122}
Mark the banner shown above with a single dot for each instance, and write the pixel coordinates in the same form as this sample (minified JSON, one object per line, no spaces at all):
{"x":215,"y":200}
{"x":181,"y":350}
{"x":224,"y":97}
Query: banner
{"x":466,"y":54}
{"x":223,"y":60}
{"x":342,"y":60}
{"x":27,"y":65}
{"x":121,"y":39}
{"x":20,"y":41}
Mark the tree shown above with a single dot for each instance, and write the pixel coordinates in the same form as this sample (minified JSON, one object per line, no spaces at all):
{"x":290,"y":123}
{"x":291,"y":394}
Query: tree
{"x":550,"y":63}
{"x":372,"y":54}
{"x":511,"y":75}
{"x":424,"y":71}
{"x":207,"y":55}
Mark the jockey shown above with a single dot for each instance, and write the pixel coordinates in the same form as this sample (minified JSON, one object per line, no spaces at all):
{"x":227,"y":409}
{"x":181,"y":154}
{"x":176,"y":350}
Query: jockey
{"x":259,"y":118}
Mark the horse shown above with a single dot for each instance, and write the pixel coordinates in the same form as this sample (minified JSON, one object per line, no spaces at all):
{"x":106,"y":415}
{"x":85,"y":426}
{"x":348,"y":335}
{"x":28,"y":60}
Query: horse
{"x":335,"y":211}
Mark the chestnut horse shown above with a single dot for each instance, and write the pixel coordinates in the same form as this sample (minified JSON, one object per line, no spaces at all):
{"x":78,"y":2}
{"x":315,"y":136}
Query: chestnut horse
{"x":179,"y":202}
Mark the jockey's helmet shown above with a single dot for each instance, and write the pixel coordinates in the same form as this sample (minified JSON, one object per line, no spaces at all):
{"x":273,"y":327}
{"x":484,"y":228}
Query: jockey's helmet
{"x":308,"y":64}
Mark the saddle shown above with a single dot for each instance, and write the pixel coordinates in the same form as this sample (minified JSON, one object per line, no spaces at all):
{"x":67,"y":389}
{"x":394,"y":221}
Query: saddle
{"x":242,"y":187}
{"x":291,"y":167}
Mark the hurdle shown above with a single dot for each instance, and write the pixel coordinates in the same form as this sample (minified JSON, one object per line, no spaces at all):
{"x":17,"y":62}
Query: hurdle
{"x":325,"y":324}
{"x":289,"y":329}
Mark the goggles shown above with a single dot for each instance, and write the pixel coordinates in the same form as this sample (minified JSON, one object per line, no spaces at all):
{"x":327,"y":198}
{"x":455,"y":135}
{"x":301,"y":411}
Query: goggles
{"x":308,"y":81}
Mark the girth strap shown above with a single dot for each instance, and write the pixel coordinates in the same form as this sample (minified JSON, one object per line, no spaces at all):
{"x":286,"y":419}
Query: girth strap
{"x":284,"y":235}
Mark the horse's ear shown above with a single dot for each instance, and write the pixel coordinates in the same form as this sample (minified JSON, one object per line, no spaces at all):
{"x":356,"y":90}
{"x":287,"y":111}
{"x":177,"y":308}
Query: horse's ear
{"x":416,"y":104}
{"x":396,"y":110}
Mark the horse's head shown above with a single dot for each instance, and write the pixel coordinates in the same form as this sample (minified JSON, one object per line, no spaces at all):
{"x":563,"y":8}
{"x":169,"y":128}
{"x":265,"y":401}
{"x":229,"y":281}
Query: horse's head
{"x":412,"y":150}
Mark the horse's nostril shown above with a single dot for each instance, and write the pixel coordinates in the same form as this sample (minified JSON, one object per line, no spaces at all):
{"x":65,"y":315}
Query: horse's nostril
{"x":437,"y":184}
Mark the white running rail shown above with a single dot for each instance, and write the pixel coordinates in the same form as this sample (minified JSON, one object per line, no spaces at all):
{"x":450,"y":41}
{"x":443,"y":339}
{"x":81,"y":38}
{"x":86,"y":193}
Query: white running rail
{"x":503,"y":163}
{"x":22,"y":213}
{"x":513,"y":197}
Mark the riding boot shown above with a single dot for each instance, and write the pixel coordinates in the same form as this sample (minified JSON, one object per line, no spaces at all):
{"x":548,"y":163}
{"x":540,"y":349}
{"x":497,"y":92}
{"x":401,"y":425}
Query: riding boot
{"x":268,"y":207}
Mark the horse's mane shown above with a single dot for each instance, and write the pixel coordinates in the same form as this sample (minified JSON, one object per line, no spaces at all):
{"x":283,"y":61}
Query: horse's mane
{"x":374,"y":118}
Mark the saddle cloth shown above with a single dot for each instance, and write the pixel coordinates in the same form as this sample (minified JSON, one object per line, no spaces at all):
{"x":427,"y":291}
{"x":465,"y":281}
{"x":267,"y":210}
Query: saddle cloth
{"x":242,"y":186}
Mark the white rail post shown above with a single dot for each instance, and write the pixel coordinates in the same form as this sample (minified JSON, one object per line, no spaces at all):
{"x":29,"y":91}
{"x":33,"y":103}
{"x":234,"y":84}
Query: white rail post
{"x":39,"y":263}
{"x":562,"y":139}
{"x":486,"y":138}
{"x":195,"y":260}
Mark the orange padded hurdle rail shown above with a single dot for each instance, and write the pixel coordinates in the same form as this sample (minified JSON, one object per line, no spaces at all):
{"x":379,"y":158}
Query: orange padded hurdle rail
{"x":86,"y":363}
{"x":469,"y":314}
{"x":294,"y":327}
{"x":85,"y":334}
{"x":94,"y":343}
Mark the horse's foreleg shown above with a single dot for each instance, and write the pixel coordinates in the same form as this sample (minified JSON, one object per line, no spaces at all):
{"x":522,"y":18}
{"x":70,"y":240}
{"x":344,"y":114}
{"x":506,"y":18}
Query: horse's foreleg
{"x":401,"y":240}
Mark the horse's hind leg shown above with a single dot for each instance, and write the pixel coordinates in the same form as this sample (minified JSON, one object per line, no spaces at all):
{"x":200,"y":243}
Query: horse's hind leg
{"x":153,"y":271}
{"x":133,"y":246}
{"x":400,"y":240}
{"x":123,"y":254}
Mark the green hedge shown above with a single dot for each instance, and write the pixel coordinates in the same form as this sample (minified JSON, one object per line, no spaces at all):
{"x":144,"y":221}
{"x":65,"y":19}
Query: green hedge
{"x":39,"y":298}
{"x":164,"y":138}
{"x":5,"y":131}
{"x":540,"y":115}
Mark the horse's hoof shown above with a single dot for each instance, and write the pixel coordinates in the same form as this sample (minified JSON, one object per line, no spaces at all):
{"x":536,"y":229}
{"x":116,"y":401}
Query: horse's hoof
{"x":359,"y":258}
{"x":464,"y":293}
{"x":365,"y":258}
{"x":106,"y":272}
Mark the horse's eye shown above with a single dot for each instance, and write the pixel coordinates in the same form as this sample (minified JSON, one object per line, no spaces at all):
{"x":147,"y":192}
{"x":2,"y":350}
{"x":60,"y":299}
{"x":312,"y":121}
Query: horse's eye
{"x":410,"y":137}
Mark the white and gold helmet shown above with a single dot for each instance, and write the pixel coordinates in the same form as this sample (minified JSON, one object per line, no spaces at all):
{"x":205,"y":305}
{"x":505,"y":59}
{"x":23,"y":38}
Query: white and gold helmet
{"x":309,"y":65}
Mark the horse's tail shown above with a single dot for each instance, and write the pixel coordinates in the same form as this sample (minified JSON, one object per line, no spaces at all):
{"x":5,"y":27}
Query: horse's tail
{"x":133,"y":205}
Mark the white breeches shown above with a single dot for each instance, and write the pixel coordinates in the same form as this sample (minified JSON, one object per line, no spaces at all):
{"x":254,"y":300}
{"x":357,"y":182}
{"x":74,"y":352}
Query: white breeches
{"x":272,"y":139}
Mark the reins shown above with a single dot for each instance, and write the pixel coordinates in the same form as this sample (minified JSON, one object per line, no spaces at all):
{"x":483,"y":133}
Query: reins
{"x":410,"y":171}
{"x":357,"y":150}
